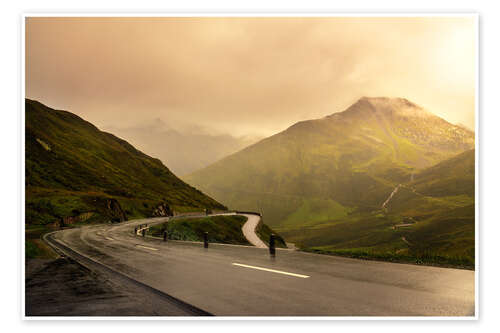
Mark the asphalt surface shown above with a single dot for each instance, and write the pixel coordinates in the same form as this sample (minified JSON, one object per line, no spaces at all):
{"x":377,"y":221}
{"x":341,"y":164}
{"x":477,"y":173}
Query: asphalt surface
{"x":63,"y":287}
{"x":230,"y":280}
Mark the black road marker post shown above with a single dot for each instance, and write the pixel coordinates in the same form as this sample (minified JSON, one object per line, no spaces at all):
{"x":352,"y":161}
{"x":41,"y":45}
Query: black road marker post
{"x":143,"y":232}
{"x":272,"y":248}
{"x":165,"y":236}
{"x":135,"y":231}
{"x":205,"y":240}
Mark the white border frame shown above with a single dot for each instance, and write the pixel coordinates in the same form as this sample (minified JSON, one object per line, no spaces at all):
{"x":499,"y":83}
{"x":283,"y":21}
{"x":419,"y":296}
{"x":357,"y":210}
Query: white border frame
{"x":22,"y":96}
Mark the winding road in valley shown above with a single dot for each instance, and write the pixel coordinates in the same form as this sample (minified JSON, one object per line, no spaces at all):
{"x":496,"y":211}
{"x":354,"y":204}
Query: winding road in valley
{"x":228,"y":280}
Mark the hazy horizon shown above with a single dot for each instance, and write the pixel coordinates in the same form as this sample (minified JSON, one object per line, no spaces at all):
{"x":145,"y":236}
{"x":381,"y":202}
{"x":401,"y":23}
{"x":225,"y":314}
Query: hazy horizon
{"x":247,"y":76}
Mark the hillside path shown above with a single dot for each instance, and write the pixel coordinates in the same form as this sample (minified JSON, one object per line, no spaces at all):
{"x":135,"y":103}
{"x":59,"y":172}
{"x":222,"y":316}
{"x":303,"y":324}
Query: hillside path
{"x":390,"y":196}
{"x":249,"y":231}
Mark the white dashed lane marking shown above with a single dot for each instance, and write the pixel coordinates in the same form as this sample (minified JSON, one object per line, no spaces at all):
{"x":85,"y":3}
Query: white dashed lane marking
{"x":272,"y":270}
{"x":147,"y":248}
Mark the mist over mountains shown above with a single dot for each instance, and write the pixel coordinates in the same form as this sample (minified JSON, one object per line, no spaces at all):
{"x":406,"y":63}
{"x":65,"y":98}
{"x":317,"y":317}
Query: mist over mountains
{"x":340,"y":169}
{"x":353,"y":157}
{"x":184,"y":150}
{"x":74,"y":171}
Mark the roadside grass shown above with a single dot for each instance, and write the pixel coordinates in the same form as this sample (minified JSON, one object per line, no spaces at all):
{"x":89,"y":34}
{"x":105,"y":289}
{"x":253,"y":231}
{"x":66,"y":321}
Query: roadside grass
{"x":423,"y":258}
{"x":451,"y":232}
{"x":221,"y":229}
{"x":31,"y":250}
{"x":359,"y":230}
{"x":35,"y":247}
{"x":264,"y":232}
{"x":445,"y":238}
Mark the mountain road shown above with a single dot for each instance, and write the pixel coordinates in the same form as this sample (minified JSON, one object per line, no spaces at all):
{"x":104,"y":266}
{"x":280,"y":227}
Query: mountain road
{"x":228,"y":280}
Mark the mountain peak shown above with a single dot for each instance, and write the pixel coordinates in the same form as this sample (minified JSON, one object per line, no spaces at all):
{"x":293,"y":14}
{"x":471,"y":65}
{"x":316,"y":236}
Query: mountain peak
{"x":385,"y":106}
{"x":384,"y":102}
{"x":389,"y":101}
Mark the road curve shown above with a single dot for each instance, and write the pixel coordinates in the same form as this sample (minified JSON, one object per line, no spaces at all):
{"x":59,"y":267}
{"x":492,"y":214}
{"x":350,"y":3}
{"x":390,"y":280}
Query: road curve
{"x":245,"y":281}
{"x":249,"y":230}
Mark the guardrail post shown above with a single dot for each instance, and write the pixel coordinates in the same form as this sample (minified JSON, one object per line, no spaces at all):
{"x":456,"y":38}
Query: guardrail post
{"x":205,"y":240}
{"x":143,"y":232}
{"x":135,"y":231}
{"x":272,"y":245}
{"x":165,"y":236}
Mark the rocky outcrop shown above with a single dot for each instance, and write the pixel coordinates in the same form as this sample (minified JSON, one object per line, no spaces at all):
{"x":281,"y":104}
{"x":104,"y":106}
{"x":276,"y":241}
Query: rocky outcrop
{"x":106,"y":209}
{"x":75,"y":219}
{"x":162,"y":210}
{"x":115,"y":211}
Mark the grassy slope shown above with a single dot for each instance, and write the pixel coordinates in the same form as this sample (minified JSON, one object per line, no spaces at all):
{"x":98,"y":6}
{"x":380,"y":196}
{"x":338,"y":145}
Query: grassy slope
{"x":349,"y":161}
{"x":221,"y":229}
{"x":73,"y":168}
{"x":452,"y":177}
{"x":264,"y":232}
{"x":35,"y":247}
{"x":441,"y":228}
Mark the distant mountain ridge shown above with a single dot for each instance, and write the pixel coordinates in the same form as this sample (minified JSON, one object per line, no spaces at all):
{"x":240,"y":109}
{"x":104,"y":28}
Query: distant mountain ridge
{"x":184,"y":151}
{"x":74,"y":171}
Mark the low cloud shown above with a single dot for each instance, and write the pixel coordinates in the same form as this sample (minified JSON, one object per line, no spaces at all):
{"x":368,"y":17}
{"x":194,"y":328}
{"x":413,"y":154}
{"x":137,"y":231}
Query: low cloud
{"x":247,"y":76}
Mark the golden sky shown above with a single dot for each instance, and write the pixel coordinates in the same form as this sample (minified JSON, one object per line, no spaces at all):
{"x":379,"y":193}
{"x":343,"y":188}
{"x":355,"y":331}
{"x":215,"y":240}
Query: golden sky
{"x":247,"y":76}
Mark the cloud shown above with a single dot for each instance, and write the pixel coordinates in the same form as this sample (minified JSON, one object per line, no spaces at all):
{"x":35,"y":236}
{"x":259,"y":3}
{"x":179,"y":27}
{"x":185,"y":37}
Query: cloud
{"x":247,"y":75}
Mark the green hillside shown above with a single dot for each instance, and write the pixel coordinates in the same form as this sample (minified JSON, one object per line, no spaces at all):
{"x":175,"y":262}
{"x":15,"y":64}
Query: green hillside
{"x":451,"y":177}
{"x":76,"y":173}
{"x":322,"y":183}
{"x":349,"y":161}
{"x":436,"y":227}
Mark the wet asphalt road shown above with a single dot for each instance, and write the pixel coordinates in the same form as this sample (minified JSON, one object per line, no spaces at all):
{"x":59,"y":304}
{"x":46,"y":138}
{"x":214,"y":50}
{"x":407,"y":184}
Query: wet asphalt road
{"x":228,"y":280}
